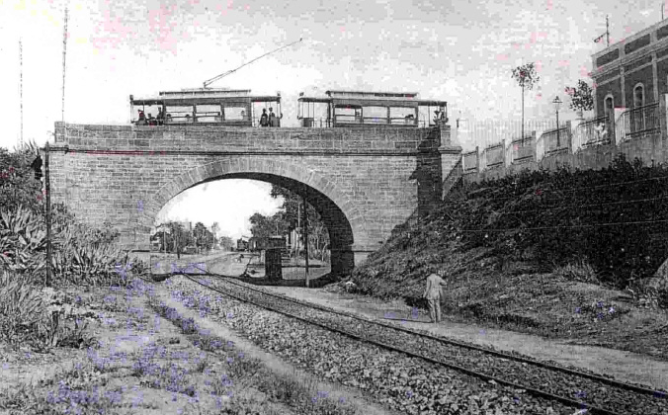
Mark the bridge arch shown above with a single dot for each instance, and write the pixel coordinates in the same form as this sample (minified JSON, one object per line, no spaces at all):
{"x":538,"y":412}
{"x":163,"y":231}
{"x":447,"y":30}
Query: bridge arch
{"x":345,"y":222}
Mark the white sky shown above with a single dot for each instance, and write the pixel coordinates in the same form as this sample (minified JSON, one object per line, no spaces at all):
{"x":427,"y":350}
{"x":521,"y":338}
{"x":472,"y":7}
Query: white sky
{"x":460,"y":51}
{"x":228,"y":202}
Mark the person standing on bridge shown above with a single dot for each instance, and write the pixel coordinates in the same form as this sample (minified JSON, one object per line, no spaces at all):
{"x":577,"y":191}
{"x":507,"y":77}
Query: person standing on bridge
{"x":432,"y":293}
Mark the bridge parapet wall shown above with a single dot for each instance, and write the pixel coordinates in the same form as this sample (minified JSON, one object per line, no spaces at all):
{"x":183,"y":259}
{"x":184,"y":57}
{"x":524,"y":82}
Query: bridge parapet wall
{"x":212,"y":138}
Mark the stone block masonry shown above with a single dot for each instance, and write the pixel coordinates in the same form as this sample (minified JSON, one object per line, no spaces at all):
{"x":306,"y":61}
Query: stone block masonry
{"x":363,"y":182}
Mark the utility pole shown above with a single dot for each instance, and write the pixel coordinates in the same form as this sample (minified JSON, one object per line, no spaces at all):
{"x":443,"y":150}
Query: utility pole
{"x":21,"y":84}
{"x":299,"y":226}
{"x":47,"y":188}
{"x":62,"y":110}
{"x":305,"y":238}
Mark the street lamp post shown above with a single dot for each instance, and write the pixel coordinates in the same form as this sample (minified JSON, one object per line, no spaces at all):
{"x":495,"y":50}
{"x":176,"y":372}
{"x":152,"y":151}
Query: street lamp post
{"x":557,"y":103}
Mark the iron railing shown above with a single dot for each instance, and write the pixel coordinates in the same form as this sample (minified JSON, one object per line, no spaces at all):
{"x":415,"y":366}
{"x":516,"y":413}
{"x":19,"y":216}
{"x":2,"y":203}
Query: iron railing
{"x":596,"y":131}
{"x":638,"y":121}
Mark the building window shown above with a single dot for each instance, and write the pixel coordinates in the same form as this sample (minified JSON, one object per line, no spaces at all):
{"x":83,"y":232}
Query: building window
{"x":638,"y":96}
{"x":638,"y":117}
{"x":606,"y":131}
{"x":609,"y":106}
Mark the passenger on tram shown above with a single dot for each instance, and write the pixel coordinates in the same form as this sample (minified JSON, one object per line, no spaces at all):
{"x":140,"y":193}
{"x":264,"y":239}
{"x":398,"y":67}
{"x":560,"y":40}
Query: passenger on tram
{"x":264,"y":119}
{"x":151,"y":120}
{"x":161,"y":117}
{"x":272,"y":118}
{"x":142,"y":118}
{"x":243,"y":114}
{"x":440,"y":115}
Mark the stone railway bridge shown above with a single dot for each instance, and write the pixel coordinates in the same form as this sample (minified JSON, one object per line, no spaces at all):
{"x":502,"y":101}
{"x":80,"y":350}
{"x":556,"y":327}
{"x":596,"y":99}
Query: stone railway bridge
{"x":362,"y":181}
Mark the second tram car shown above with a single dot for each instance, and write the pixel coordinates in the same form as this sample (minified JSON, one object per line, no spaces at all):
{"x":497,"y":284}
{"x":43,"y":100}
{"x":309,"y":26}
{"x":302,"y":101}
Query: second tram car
{"x":364,"y":108}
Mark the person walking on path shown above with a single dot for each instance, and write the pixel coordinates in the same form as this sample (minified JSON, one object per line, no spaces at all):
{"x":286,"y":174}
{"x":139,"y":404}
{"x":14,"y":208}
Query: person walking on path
{"x":432,"y":293}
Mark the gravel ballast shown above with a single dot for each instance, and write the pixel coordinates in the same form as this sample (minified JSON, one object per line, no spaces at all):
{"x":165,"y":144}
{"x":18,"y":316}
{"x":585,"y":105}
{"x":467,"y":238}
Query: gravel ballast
{"x":410,"y":385}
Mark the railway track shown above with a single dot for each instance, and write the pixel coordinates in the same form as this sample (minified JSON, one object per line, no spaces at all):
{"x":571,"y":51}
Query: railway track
{"x":589,"y":393}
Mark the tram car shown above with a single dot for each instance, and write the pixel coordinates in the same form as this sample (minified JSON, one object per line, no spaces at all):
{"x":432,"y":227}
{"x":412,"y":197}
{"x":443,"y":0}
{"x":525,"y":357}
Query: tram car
{"x":364,"y":108}
{"x":225,"y":107}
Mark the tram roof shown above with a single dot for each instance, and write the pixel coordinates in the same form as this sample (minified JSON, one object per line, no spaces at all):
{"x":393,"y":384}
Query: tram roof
{"x":204,"y":96}
{"x":373,"y":98}
{"x":370,"y":94}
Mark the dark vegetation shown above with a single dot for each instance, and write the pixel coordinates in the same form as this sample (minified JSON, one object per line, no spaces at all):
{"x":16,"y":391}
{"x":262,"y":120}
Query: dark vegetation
{"x":289,"y":218}
{"x":607,"y":227}
{"x":82,"y":256}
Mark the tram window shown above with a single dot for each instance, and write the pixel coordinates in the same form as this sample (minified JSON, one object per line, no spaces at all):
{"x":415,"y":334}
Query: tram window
{"x":348,"y":114}
{"x":375,"y":115}
{"x":151,"y":110}
{"x":402,"y":116}
{"x":236,"y":114}
{"x":208,"y":113}
{"x":179,"y":114}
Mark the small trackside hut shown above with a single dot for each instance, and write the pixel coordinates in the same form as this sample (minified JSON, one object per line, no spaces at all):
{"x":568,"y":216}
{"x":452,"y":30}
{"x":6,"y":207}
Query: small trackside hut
{"x":364,"y":109}
{"x":224,"y":107}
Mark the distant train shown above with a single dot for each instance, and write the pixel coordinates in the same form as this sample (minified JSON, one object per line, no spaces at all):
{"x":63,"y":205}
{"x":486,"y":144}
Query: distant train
{"x":242,"y":244}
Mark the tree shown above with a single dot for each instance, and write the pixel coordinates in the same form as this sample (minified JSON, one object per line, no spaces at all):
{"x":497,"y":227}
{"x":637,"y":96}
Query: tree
{"x":226,"y":242}
{"x":203,"y":237}
{"x":176,"y":237}
{"x":318,"y":234}
{"x":526,"y":77}
{"x":264,"y":226}
{"x":582,"y":97}
{"x":215,"y":228}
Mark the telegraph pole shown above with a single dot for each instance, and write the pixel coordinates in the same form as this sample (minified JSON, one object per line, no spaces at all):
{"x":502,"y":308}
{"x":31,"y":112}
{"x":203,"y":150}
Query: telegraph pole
{"x":305,"y":238}
{"x":47,"y":187}
{"x":62,"y":110}
{"x":299,"y":226}
{"x":21,"y":84}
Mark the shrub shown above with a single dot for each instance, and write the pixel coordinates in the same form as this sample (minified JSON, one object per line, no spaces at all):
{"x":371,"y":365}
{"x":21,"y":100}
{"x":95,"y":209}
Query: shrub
{"x":22,"y":241}
{"x":579,"y":270}
{"x":81,"y":255}
{"x":22,"y":310}
{"x":18,"y":186}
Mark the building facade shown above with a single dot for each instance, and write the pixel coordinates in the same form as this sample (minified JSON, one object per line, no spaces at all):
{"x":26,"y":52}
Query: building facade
{"x":631,"y":75}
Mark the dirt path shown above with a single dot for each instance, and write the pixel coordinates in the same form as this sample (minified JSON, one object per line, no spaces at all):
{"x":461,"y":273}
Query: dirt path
{"x":623,"y":366}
